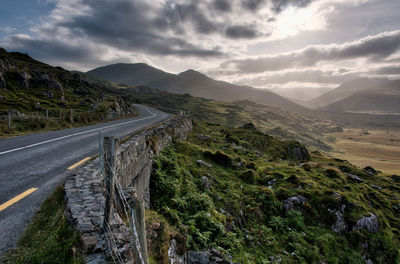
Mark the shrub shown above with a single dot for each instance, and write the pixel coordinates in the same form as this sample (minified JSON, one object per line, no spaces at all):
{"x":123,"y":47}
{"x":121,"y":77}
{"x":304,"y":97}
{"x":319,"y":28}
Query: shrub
{"x":249,"y":176}
{"x":220,"y":158}
{"x":332,"y":173}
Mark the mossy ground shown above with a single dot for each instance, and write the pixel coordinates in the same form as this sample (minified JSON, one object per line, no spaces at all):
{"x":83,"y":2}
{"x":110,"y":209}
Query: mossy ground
{"x":241,"y":211}
{"x":49,"y":238}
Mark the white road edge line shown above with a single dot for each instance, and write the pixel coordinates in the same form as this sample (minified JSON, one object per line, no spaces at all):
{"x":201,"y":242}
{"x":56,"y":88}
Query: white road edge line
{"x":79,"y":133}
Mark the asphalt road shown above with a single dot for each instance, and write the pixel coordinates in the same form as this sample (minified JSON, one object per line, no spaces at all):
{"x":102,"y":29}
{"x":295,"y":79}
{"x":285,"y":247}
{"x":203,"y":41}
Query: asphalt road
{"x":41,"y":161}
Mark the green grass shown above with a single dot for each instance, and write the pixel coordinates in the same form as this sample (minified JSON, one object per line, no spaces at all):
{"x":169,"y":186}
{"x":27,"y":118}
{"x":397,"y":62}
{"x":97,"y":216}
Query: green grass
{"x":49,"y":238}
{"x":63,"y":91}
{"x":244,"y":218}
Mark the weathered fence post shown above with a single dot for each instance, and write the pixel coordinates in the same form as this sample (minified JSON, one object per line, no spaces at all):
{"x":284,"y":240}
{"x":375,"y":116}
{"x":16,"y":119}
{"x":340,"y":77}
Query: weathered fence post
{"x":141,"y":228}
{"x":9,"y":120}
{"x":111,"y":145}
{"x":47,"y":113}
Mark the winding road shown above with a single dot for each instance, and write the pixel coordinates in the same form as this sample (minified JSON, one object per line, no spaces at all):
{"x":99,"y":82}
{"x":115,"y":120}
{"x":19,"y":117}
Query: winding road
{"x":32,"y":166}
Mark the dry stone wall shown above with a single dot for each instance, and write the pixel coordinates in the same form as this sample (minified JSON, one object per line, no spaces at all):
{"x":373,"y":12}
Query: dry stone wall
{"x":85,"y":190}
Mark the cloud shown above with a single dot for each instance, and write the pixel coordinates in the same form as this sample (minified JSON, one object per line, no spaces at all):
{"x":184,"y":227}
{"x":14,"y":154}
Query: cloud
{"x":222,"y":5}
{"x":371,"y":48}
{"x":7,"y":29}
{"x":124,"y":25}
{"x":279,"y":5}
{"x":48,"y":48}
{"x":240,"y":31}
{"x":252,"y":5}
{"x":388,"y":70}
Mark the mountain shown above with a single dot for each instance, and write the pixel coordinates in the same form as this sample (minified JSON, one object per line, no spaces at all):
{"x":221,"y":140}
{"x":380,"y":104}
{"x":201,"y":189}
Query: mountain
{"x":191,"y":82}
{"x":301,"y":95}
{"x":384,"y":98}
{"x":345,"y":90}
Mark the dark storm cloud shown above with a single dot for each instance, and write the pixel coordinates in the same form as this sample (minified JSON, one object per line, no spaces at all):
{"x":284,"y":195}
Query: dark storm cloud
{"x":50,"y":49}
{"x":222,"y":5}
{"x":189,"y":12}
{"x":252,"y":5}
{"x":279,"y":5}
{"x":236,"y":32}
{"x":373,"y":48}
{"x":126,"y":25}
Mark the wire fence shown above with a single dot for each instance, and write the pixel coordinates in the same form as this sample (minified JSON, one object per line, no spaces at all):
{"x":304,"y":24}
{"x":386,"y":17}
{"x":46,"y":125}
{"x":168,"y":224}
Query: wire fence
{"x":10,"y":119}
{"x":109,"y":180}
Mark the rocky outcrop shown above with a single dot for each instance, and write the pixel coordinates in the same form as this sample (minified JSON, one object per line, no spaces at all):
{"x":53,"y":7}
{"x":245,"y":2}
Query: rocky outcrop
{"x":120,"y":108}
{"x":294,"y":202}
{"x":24,"y":78}
{"x":194,"y":257}
{"x":300,"y":153}
{"x":340,"y":225}
{"x":369,"y":223}
{"x":354,"y":177}
{"x":4,"y":66}
{"x":371,"y":171}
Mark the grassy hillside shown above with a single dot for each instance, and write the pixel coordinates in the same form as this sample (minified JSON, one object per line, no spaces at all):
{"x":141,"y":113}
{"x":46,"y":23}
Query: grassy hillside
{"x":243,"y":194}
{"x":30,"y":91}
{"x":283,"y":124}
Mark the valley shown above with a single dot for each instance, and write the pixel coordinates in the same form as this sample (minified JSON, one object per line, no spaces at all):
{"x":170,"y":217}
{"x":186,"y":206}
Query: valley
{"x":377,"y":148}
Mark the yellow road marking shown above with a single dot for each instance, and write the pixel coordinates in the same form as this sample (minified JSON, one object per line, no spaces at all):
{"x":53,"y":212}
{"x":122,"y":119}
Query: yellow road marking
{"x":79,"y":163}
{"x":17,"y":198}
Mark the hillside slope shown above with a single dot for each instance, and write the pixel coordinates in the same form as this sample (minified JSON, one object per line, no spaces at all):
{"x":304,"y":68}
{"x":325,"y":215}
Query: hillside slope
{"x":345,"y":90}
{"x":41,"y":97}
{"x":191,"y":82}
{"x":382,"y":99}
{"x":238,"y":194}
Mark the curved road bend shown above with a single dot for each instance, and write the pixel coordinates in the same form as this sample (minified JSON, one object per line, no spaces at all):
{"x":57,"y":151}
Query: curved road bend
{"x":42,"y":160}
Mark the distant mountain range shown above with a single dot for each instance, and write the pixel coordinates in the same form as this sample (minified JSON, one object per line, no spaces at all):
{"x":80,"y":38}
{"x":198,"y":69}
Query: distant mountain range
{"x":301,"y":95}
{"x":343,"y":91}
{"x":383,"y":98}
{"x":191,"y":82}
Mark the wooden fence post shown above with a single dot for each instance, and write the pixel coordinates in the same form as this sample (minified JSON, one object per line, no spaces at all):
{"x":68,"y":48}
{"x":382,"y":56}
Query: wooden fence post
{"x":47,"y":113}
{"x":141,"y":228}
{"x":9,"y":120}
{"x":110,"y":146}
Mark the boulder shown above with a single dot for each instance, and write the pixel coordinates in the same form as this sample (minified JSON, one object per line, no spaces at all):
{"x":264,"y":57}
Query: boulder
{"x":294,"y":202}
{"x":206,"y":182}
{"x":300,"y":153}
{"x":371,"y":171}
{"x":174,"y":257}
{"x":203,"y":163}
{"x":354,"y":177}
{"x":376,"y":187}
{"x":340,"y":225}
{"x":369,"y":223}
{"x":194,"y":257}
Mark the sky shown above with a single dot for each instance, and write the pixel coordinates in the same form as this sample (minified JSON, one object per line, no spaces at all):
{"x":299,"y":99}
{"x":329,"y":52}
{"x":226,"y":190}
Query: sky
{"x":262,"y":43}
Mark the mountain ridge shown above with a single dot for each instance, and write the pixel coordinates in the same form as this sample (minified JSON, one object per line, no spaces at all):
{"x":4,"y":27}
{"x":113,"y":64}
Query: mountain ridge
{"x":191,"y":82}
{"x":344,"y":90}
{"x":384,"y":98}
